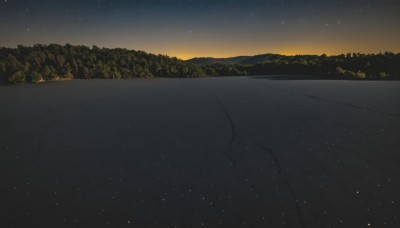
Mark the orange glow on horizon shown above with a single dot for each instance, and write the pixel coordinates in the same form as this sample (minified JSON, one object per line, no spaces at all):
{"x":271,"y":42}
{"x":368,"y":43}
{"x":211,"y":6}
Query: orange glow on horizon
{"x":329,"y":51}
{"x":187,"y":56}
{"x":301,"y":46}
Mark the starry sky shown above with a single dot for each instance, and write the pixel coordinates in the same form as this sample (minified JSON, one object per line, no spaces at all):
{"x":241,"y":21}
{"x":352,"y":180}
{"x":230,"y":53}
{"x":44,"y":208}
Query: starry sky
{"x":206,"y":28}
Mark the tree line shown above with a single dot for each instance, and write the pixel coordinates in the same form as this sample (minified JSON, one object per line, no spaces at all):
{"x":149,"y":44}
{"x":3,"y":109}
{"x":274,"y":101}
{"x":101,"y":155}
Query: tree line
{"x":54,"y":62}
{"x":352,"y":65}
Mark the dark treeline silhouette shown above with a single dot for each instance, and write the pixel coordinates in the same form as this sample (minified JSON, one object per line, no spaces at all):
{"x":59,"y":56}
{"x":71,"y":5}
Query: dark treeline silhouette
{"x":55,"y":62}
{"x":355,"y":65}
{"x":52,"y":62}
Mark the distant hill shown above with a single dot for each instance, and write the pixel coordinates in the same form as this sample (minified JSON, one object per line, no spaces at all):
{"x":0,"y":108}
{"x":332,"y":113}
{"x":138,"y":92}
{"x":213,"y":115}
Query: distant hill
{"x":241,"y":60}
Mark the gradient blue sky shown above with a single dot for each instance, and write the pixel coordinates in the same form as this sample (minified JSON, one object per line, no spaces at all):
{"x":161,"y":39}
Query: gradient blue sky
{"x":218,"y":28}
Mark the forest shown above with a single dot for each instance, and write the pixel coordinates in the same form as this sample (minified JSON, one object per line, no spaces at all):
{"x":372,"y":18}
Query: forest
{"x":42,"y":63}
{"x":349,"y":66}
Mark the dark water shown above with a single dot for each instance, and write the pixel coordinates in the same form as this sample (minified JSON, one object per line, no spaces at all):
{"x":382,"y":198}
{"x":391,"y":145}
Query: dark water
{"x":213,"y":152}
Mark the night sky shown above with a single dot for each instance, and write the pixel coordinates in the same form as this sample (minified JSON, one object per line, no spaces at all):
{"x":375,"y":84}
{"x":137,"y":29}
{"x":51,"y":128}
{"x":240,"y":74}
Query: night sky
{"x":207,"y":28}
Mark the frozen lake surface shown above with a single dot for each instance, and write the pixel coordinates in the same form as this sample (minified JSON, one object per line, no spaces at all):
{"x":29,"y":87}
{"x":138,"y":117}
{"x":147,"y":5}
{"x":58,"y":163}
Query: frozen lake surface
{"x":211,"y":152}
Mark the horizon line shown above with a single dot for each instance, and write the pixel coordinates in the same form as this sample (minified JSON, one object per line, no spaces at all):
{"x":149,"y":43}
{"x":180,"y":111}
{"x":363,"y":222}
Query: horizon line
{"x":208,"y":57}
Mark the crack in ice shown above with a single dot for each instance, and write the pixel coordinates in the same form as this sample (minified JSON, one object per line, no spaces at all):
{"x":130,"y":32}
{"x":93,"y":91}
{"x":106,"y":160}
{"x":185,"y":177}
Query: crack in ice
{"x":344,"y":104}
{"x":233,"y":133}
{"x":286,"y":180}
{"x":349,"y":105}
